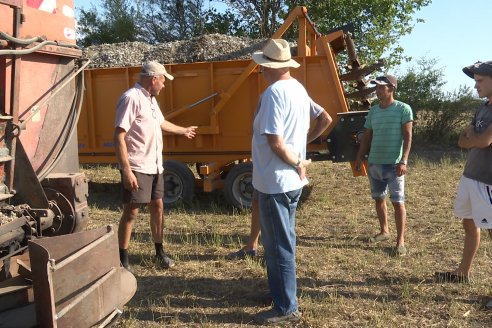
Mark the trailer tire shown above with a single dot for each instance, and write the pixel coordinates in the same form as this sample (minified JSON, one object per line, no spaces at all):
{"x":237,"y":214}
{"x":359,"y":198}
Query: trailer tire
{"x":179,"y":183}
{"x":238,"y":185}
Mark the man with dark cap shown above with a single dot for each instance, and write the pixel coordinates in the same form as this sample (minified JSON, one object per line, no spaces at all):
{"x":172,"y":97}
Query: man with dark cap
{"x":473,"y":204}
{"x":388,"y":134}
{"x":138,"y":145}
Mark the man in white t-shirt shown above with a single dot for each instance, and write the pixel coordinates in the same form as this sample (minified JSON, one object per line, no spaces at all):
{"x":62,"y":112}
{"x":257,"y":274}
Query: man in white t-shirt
{"x":321,"y":122}
{"x":280,"y":131}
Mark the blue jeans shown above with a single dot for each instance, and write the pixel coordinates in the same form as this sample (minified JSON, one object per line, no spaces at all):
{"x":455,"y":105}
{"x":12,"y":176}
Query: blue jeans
{"x":278,"y":218}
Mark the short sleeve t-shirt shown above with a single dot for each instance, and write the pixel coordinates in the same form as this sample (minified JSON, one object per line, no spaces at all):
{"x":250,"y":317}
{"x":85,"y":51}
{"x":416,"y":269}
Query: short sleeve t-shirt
{"x":479,"y":162}
{"x":284,"y":111}
{"x":386,"y":125}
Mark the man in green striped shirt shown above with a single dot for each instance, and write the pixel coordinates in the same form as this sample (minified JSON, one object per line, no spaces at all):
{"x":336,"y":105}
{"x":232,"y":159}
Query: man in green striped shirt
{"x":388,"y":138}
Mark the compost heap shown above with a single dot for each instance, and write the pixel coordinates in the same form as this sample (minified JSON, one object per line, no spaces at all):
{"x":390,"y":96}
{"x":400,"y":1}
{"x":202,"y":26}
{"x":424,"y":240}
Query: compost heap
{"x":212,"y":47}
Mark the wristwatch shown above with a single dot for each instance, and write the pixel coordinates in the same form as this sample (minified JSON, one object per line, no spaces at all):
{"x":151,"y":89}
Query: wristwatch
{"x":298,"y":162}
{"x":403,"y":162}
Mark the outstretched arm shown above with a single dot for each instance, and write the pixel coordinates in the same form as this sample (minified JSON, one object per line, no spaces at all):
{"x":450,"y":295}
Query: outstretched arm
{"x":189,"y":132}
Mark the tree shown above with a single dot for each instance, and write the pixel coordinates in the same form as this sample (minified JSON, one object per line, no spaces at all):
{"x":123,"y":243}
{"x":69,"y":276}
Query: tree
{"x":224,"y":23}
{"x":262,"y":17}
{"x":439,"y":116}
{"x":116,"y":23}
{"x":150,"y":21}
{"x":377,"y":24}
{"x":169,"y":20}
{"x":422,"y":85}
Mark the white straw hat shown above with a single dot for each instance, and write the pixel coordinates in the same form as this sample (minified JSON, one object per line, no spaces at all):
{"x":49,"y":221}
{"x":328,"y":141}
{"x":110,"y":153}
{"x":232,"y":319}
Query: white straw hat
{"x":275,"y":54}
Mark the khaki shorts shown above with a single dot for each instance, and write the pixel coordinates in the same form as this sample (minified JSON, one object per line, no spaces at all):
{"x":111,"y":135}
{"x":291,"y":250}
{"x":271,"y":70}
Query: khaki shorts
{"x":150,"y":187}
{"x":474,"y":201}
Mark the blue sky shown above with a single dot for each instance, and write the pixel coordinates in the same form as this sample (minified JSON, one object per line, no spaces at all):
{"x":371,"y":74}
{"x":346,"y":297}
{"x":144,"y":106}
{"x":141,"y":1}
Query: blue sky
{"x":454,"y":33}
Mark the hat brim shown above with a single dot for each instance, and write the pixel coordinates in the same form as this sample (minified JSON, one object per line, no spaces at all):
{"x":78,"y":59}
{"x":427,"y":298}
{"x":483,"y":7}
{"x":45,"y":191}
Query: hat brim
{"x":261,"y":60}
{"x":468,"y":72}
{"x":483,"y":69}
{"x":168,"y":76}
{"x":381,"y":83}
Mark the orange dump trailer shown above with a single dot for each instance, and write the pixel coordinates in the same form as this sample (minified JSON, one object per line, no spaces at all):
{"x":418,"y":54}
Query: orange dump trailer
{"x":221,"y":98}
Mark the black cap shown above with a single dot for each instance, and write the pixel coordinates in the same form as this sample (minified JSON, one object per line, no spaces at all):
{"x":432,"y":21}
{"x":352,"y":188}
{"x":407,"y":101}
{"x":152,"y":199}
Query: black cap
{"x":480,"y":68}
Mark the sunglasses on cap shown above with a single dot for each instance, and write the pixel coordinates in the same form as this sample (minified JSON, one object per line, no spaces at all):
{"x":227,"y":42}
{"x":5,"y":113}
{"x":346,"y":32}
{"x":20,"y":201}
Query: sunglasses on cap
{"x":383,"y":79}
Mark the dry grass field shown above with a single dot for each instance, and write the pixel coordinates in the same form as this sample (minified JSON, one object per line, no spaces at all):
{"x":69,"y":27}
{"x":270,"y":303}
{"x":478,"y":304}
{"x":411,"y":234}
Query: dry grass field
{"x":343,"y":281}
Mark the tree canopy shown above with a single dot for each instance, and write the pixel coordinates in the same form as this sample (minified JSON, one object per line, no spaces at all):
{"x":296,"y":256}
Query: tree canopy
{"x":439,"y":115}
{"x":377,"y":25}
{"x":118,"y":22}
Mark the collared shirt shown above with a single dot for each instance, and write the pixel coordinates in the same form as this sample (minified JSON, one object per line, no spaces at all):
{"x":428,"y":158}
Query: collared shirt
{"x":138,"y":113}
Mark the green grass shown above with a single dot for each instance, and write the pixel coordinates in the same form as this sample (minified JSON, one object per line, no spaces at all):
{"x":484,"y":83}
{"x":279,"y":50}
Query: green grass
{"x":342,"y":280}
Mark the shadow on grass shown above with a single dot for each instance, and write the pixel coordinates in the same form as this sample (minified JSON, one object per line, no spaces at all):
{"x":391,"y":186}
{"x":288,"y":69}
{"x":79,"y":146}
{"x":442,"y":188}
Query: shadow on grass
{"x":210,"y":202}
{"x":227,"y":296}
{"x":195,"y":238}
{"x":215,"y":202}
{"x":105,"y":195}
{"x":353,"y":243}
{"x":108,"y":195}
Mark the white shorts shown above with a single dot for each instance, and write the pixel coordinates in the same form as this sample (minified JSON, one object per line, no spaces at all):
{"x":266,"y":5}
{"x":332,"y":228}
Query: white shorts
{"x":474,"y":201}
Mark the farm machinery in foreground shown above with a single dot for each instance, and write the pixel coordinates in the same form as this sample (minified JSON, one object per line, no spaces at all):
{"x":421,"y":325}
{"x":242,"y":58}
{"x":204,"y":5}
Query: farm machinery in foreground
{"x":52,"y":273}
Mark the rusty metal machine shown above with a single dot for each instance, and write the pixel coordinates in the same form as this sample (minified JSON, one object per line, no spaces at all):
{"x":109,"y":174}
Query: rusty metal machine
{"x":43,"y":196}
{"x":220,"y":98}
